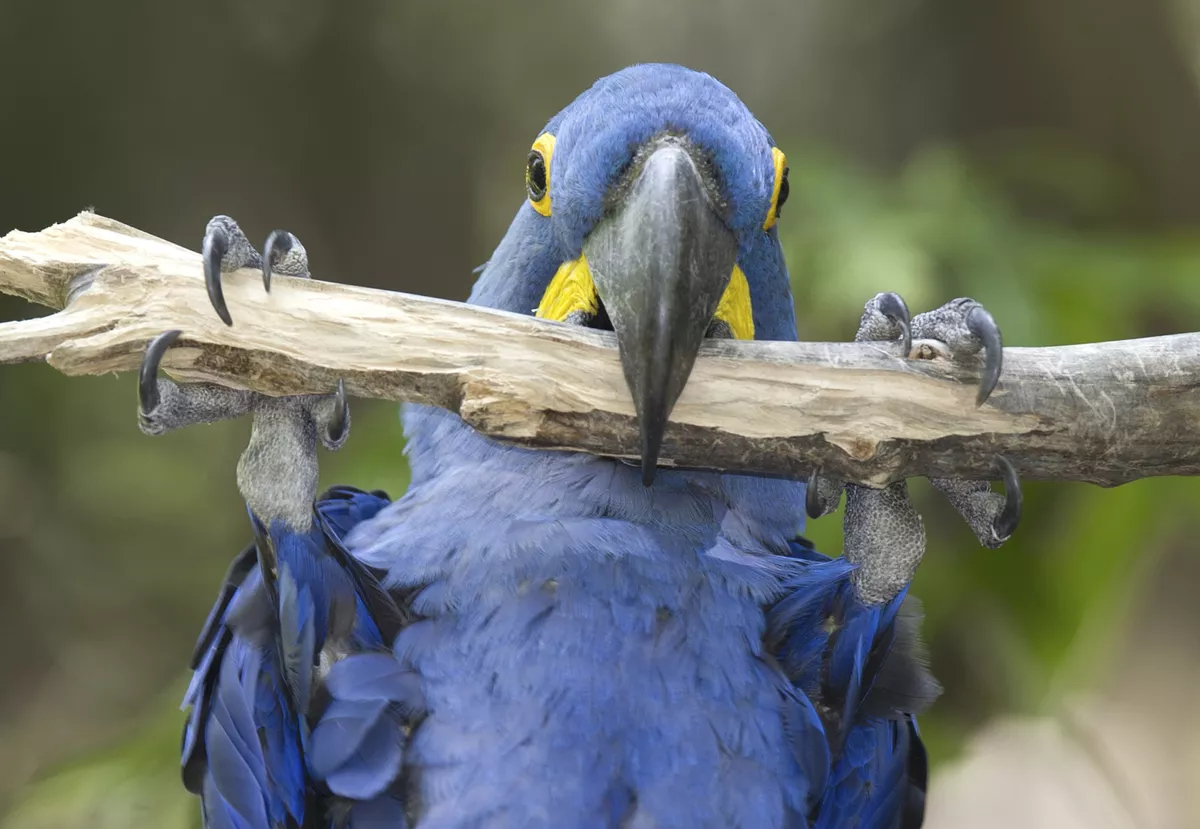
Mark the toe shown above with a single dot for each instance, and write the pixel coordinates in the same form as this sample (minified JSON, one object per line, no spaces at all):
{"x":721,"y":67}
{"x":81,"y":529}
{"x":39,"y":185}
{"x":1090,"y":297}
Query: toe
{"x":148,"y":397}
{"x":991,"y":516}
{"x":339,"y":423}
{"x":1010,"y":516}
{"x":283,"y":254}
{"x":965,"y":327}
{"x":984,"y":328}
{"x":822,"y":495}
{"x":216,"y":244}
{"x":886,"y":318}
{"x":225,"y":248}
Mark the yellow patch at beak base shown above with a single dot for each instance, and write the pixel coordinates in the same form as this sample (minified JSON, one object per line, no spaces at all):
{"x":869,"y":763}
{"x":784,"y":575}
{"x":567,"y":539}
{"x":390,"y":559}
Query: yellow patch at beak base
{"x":572,"y":291}
{"x":734,"y":308}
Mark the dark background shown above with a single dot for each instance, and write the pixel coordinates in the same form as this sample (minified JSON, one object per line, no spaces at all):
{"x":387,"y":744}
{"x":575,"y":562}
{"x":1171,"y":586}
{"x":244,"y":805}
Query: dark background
{"x":1039,"y":155}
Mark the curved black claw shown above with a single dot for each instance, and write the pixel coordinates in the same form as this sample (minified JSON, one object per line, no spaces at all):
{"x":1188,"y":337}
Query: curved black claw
{"x":1009,"y":517}
{"x":278,"y":244}
{"x":148,"y":373}
{"x":893,"y":306}
{"x":216,"y":245}
{"x":341,"y":415}
{"x":812,"y":498}
{"x":981,"y":324}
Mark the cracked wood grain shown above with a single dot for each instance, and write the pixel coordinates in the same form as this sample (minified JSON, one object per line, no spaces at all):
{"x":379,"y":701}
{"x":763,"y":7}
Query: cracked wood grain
{"x":1107,"y":413}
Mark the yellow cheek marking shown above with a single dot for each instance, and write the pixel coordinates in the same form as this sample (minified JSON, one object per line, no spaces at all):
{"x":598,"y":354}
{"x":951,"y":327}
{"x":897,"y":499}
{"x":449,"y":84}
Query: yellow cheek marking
{"x":780,"y":162}
{"x":734,"y":307}
{"x":571,"y":290}
{"x":545,"y":145}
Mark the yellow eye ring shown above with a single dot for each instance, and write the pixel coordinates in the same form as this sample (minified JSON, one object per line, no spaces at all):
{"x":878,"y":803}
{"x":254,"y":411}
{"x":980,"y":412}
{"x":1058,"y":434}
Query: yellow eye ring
{"x":537,"y":173}
{"x":779,"y":193}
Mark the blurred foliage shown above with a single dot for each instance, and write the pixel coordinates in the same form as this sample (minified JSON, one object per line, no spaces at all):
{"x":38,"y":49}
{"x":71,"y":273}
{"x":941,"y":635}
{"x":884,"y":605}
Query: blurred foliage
{"x":124,"y":787}
{"x":1010,"y":630}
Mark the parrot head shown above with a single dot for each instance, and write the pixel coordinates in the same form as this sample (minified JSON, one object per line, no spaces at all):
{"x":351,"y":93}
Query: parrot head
{"x":650,"y":210}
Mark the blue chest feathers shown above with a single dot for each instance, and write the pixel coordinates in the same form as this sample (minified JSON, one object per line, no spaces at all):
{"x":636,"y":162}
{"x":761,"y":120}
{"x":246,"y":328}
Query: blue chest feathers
{"x":566,"y":605}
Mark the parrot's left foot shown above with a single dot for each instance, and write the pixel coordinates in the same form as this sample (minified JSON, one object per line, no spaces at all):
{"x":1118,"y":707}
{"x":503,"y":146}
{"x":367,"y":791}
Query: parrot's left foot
{"x":884,"y":535}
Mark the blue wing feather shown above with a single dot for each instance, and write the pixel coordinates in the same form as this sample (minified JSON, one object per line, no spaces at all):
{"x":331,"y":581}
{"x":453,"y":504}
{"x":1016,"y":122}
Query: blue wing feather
{"x":861,"y":667}
{"x":372,"y":676}
{"x":341,"y":732}
{"x":372,"y":765}
{"x":247,"y":749}
{"x":238,"y":570}
{"x":298,"y":638}
{"x":236,"y":772}
{"x":358,"y":742}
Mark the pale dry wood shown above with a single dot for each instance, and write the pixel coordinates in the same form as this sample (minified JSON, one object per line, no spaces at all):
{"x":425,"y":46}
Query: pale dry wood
{"x":1106,"y":413}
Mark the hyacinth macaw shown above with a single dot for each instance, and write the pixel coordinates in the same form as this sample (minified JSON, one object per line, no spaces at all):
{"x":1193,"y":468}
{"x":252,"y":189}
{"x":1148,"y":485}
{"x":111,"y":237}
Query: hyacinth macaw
{"x":545,"y":639}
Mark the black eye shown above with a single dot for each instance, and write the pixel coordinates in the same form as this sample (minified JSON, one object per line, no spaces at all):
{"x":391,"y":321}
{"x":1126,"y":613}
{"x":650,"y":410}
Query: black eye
{"x":535,"y":176}
{"x":784,"y":189}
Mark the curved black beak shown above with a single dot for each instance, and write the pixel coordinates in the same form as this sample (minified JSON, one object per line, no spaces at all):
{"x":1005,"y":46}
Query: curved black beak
{"x":661,"y":261}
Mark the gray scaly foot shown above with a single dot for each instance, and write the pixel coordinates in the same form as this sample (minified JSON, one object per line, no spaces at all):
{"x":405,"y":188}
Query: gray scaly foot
{"x":884,"y":535}
{"x":277,"y":474}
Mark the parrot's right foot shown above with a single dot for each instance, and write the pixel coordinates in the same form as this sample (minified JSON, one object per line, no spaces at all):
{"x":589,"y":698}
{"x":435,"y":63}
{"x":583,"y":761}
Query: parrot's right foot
{"x":884,"y":535}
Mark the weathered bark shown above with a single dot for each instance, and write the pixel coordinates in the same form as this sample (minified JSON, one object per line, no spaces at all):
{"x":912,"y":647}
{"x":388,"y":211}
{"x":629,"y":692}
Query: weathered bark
{"x":1105,"y":412}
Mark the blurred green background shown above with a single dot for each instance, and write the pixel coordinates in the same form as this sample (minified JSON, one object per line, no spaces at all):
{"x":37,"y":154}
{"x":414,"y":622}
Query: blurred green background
{"x":1038,"y":155}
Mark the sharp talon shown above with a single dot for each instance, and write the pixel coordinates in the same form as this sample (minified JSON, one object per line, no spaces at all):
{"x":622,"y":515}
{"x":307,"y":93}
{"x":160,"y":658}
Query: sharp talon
{"x":893,"y":306}
{"x":148,"y":373}
{"x":812,"y":498}
{"x":278,"y":244}
{"x":341,"y":412}
{"x":216,"y":245}
{"x":1006,"y":523}
{"x":981,"y":324}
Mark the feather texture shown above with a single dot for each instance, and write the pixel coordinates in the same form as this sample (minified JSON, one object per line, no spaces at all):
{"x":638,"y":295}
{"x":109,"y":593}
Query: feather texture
{"x":864,"y":667}
{"x":264,"y":744}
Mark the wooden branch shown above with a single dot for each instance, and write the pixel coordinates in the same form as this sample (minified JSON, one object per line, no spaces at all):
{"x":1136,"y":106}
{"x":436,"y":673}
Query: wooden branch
{"x":1106,"y":413}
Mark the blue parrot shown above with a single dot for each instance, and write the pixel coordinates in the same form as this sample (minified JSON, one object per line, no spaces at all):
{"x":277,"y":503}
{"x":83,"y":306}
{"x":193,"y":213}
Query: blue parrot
{"x":534,"y":638}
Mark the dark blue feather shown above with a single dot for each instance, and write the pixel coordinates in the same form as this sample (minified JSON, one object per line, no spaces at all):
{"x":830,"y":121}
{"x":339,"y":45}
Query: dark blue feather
{"x":298,"y":639}
{"x":341,"y":509}
{"x":235,"y":761}
{"x":374,"y":766}
{"x":380,"y":813}
{"x":199,"y":696}
{"x":844,"y":653}
{"x":247,"y":747}
{"x":234,"y":577}
{"x":340,"y":733}
{"x":375,"y":676}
